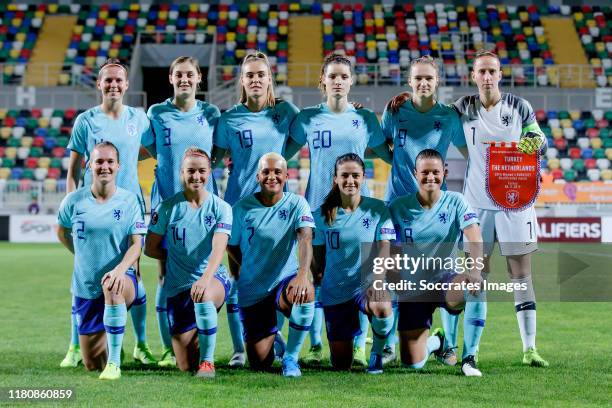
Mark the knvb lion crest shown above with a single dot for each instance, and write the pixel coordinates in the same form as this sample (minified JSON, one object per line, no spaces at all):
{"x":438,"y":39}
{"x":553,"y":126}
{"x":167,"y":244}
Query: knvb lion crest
{"x":131,"y":129}
{"x":512,"y":197}
{"x":117,"y":214}
{"x":283,"y":214}
{"x":443,"y":217}
{"x":209,"y":220}
{"x":366,"y":222}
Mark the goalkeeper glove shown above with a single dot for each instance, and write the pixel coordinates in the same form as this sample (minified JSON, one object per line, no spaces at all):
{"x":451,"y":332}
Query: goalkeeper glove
{"x":530,"y":143}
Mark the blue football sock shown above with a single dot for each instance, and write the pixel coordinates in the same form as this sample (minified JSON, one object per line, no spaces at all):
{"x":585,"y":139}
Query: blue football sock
{"x":206,"y":320}
{"x":299,"y":323}
{"x":381,"y":328}
{"x":392,"y":338}
{"x":364,"y":325}
{"x":138,"y":311}
{"x":115,"y":317}
{"x":280,"y":320}
{"x":317,"y":322}
{"x":474,"y":318}
{"x":74,"y":331}
{"x":162,"y":317}
{"x":233,"y":319}
{"x":450,"y":324}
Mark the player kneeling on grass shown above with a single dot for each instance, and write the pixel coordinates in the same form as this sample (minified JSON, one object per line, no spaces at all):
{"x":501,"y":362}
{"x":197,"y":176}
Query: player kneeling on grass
{"x":101,"y":225}
{"x":344,"y":222}
{"x":268,"y":226}
{"x":430,"y":222}
{"x":195,"y":225}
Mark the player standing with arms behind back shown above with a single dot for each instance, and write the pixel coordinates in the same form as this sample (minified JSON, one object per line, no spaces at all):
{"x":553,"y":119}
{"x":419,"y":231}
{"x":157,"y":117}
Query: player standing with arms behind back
{"x":492,"y":116}
{"x":178,"y":123}
{"x":257,"y":125}
{"x":420,"y":123}
{"x":331,"y":129}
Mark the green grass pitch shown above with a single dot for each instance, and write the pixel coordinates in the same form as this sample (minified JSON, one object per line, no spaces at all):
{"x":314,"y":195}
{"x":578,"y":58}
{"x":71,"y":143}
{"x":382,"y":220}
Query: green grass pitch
{"x":574,"y":337}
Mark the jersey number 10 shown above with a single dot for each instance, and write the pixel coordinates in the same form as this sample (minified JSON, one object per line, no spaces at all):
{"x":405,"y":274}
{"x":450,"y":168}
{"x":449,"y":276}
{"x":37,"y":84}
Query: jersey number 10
{"x":333,"y":239}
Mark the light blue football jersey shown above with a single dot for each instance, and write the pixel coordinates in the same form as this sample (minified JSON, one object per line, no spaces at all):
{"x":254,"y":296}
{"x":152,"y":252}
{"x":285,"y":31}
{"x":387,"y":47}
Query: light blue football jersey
{"x":101,"y":235}
{"x":248,"y":136}
{"x":370,"y":222}
{"x":189,"y":234}
{"x":175,"y":131}
{"x":434,"y":232}
{"x":330,"y":135}
{"x":127,"y":133}
{"x":267,"y":237}
{"x":411,"y":132}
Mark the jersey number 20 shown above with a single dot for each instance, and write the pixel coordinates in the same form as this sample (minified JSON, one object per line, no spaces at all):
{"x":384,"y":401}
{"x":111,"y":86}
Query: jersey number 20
{"x":322,"y":139}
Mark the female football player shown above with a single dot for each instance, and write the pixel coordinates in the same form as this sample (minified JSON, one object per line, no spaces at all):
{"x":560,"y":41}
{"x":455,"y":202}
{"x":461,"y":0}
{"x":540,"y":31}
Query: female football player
{"x":127,"y":128}
{"x":256,"y":125}
{"x":430,"y":222}
{"x":102,"y":225}
{"x":178,"y":123}
{"x":331,"y":129}
{"x":195,"y":225}
{"x":268,"y":228}
{"x":344,"y":222}
{"x":423,"y":124}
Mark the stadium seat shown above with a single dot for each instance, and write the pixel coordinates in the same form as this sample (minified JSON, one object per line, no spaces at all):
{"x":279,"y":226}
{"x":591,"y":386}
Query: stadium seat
{"x":569,"y":175}
{"x":566,"y":163}
{"x":552,"y":153}
{"x":603,"y":164}
{"x":594,"y":174}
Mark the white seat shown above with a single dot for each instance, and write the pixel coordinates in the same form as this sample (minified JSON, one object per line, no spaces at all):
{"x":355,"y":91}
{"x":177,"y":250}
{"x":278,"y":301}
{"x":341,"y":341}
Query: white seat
{"x":23,"y":153}
{"x":552,"y":153}
{"x":603,"y":164}
{"x":566,"y":163}
{"x":40,"y":173}
{"x":594,"y":174}
{"x":18,"y":132}
{"x":583,"y":142}
{"x":569,"y":133}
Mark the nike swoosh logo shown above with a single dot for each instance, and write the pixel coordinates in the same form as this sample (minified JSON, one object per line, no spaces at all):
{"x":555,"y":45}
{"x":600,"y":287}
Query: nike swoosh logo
{"x":403,"y":120}
{"x":318,"y":124}
{"x":80,"y":212}
{"x":240,"y":124}
{"x":248,"y":221}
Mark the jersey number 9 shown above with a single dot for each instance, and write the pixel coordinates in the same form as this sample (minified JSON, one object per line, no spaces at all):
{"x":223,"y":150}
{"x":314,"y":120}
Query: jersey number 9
{"x":401,"y":136}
